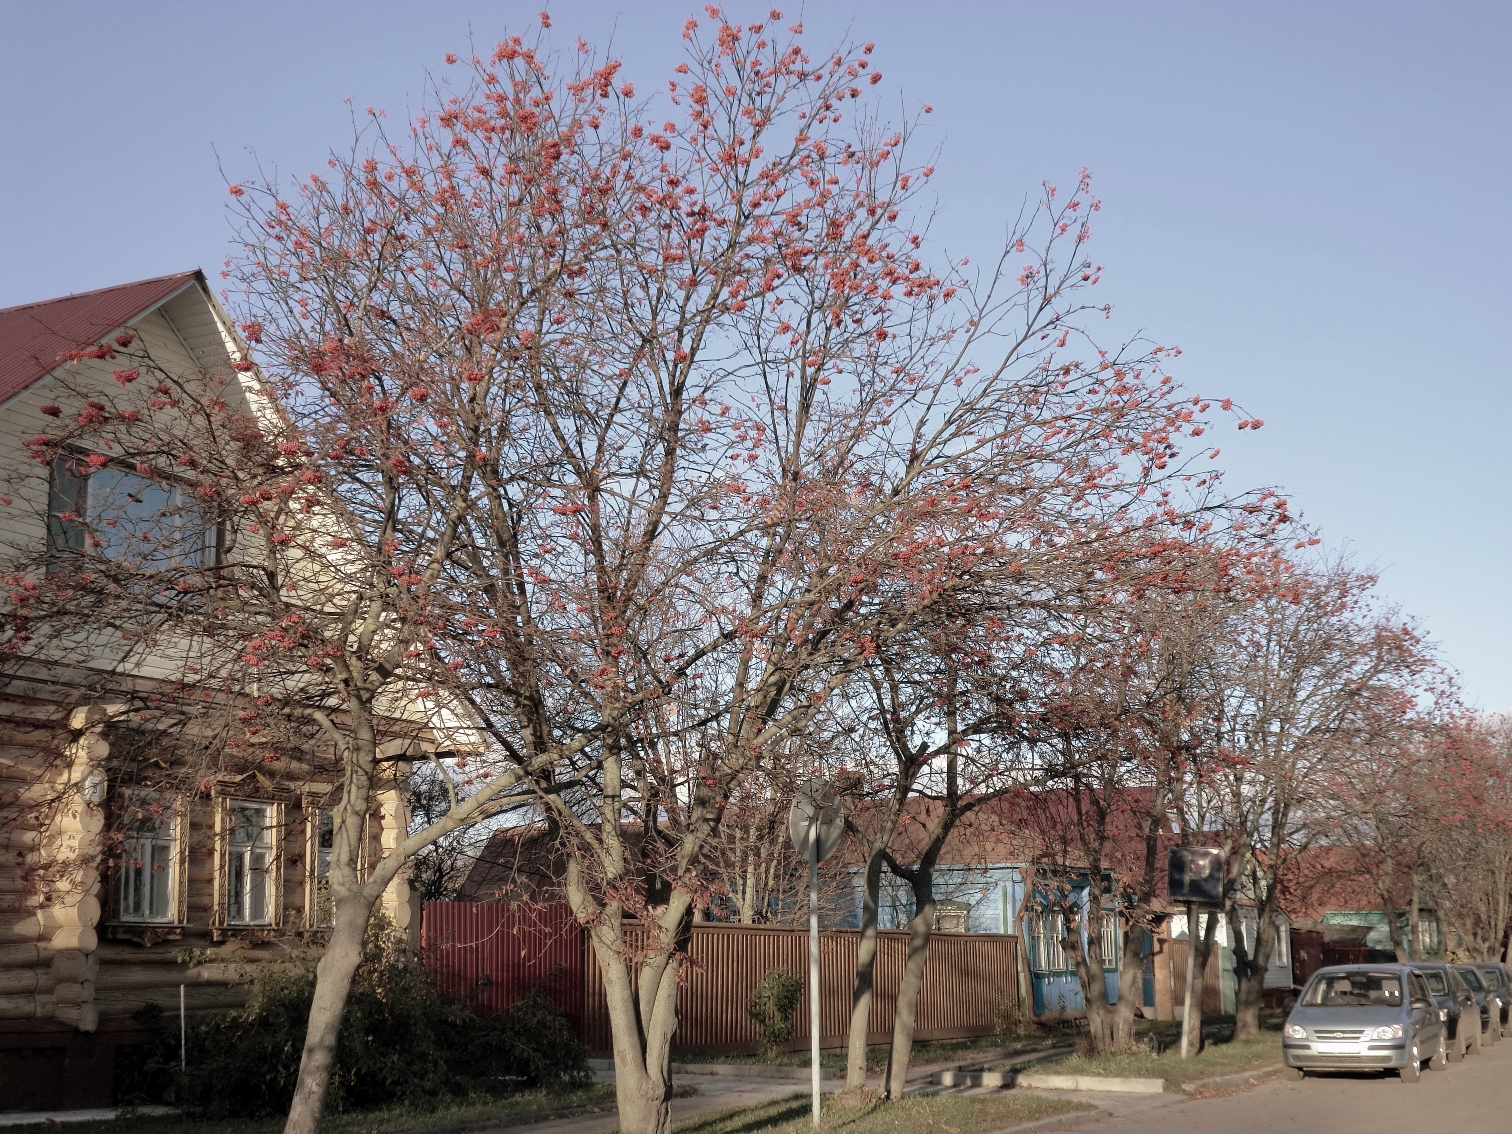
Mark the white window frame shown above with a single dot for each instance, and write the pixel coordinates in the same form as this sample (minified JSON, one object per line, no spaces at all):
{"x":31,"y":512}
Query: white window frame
{"x":134,"y":496}
{"x":1108,"y":928}
{"x":318,"y":911}
{"x":241,"y":872}
{"x":1046,"y":930}
{"x":1281,"y":955}
{"x":139,"y":857}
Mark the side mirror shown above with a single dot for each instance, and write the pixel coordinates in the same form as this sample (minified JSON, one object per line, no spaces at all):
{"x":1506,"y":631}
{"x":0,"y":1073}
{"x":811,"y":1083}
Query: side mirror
{"x":1420,"y":1003}
{"x":1288,"y":1004}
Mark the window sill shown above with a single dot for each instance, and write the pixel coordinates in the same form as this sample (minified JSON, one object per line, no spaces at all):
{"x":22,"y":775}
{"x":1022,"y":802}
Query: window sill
{"x":146,"y":933}
{"x":252,"y":933}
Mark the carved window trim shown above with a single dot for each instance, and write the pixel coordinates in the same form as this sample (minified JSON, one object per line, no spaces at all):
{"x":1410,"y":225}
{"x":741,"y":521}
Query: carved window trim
{"x":119,"y":921}
{"x":273,"y":874}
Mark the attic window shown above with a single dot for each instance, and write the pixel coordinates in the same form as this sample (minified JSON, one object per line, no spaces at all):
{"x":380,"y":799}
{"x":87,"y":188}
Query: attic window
{"x":118,"y":514}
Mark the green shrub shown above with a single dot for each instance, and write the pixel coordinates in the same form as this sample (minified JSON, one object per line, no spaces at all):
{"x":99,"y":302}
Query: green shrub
{"x":401,"y":1042}
{"x":772,"y":1006}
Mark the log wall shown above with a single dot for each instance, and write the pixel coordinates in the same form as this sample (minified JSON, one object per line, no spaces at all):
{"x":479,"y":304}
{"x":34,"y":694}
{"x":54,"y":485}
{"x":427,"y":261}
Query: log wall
{"x":70,"y":969}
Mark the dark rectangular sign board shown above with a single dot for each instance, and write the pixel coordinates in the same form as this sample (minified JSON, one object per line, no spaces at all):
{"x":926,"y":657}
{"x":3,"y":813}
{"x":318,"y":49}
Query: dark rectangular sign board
{"x":1196,"y":875}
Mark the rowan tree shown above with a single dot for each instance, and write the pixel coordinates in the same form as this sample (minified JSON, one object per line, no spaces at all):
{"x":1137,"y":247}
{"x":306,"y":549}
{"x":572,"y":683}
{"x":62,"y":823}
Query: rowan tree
{"x":755,"y":440}
{"x":622,"y":435}
{"x":1319,"y":673}
{"x":1125,"y":720}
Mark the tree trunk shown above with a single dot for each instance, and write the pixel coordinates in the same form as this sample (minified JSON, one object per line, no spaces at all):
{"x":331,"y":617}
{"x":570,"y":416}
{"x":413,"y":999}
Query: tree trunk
{"x":1414,"y":945}
{"x":642,"y":1054}
{"x":1199,"y":948}
{"x":333,"y":979}
{"x":1250,"y":993}
{"x":1088,"y":962}
{"x":906,"y":1017}
{"x":866,"y":968}
{"x":1130,"y":979}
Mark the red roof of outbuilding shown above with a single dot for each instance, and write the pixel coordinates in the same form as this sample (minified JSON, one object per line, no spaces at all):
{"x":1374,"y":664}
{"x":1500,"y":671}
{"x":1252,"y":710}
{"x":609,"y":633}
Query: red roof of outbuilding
{"x":34,"y":336}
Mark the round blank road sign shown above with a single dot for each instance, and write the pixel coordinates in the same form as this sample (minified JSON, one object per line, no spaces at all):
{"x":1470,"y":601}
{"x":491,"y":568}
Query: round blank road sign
{"x":816,"y":807}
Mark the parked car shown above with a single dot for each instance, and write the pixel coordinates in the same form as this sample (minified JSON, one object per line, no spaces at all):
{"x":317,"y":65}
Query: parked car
{"x":1357,"y":1017}
{"x":1457,"y":1007}
{"x":1497,"y":976}
{"x":1485,"y":999}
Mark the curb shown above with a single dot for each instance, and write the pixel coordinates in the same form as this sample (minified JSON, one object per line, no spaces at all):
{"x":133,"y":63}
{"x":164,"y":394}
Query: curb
{"x":1238,"y":1079}
{"x":1032,"y":1081}
{"x":1058,"y":1122}
{"x":754,"y":1071}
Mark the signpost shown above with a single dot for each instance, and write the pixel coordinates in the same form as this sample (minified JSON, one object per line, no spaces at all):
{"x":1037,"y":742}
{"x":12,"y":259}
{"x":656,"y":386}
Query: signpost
{"x":816,"y":825}
{"x":1195,"y":876}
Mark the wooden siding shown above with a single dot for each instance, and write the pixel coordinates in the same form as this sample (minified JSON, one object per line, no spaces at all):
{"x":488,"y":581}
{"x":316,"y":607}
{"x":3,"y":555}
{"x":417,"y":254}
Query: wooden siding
{"x":1212,"y":984}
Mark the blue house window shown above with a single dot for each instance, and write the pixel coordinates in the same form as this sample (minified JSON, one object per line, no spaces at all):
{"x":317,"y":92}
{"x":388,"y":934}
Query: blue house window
{"x":1047,"y":954}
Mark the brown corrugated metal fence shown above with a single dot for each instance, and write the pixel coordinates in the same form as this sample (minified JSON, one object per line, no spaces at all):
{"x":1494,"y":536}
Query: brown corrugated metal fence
{"x":969,"y":979}
{"x":488,"y":955}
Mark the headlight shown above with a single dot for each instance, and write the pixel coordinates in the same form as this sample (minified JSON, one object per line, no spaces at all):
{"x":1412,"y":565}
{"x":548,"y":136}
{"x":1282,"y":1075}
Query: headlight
{"x":1443,"y":1014}
{"x":1296,"y":1031}
{"x":1387,"y":1031}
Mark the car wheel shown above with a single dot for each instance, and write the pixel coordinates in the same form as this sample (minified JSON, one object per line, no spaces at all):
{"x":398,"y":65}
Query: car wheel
{"x":1294,"y":1074}
{"x":1441,"y":1056}
{"x":1414,"y":1069}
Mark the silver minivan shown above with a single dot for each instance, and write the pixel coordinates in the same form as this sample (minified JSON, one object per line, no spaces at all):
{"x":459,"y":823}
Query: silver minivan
{"x":1364,"y":1017}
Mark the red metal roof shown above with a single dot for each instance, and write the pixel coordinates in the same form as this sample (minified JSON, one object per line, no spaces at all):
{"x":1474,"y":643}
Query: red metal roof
{"x":34,"y":336}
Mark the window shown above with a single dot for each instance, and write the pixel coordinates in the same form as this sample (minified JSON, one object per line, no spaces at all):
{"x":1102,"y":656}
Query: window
{"x":1047,"y":953}
{"x":1436,"y":982}
{"x":249,"y":864}
{"x":1428,"y":943}
{"x":322,"y":835}
{"x":148,"y":863}
{"x":1416,"y":984}
{"x":1281,"y":954}
{"x":119,"y":514}
{"x":1110,"y":940}
{"x":1353,"y":989}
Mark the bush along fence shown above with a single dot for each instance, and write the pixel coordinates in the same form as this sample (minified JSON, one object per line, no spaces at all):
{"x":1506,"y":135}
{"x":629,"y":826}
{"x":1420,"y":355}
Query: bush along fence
{"x":490,"y":955}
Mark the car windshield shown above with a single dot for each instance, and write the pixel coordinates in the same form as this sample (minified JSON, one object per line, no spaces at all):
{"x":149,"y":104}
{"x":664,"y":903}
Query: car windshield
{"x":1353,"y":990}
{"x":1472,"y":978}
{"x":1436,"y":983}
{"x":1490,"y":975}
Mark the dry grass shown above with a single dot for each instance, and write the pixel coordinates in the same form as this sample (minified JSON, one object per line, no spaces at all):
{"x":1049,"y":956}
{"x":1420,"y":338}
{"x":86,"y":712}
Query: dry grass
{"x":452,"y":1118}
{"x":1217,"y":1059}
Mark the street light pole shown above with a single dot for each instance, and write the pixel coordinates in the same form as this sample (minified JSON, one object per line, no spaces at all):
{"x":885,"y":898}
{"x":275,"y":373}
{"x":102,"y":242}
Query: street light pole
{"x":813,"y":865}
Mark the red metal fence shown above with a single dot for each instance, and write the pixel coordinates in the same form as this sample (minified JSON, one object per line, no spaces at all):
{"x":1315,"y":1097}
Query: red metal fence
{"x":489,"y":955}
{"x":492,"y":954}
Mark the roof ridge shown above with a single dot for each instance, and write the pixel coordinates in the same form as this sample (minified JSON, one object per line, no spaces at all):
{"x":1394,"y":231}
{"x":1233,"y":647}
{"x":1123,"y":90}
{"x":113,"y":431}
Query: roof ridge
{"x":101,"y":290}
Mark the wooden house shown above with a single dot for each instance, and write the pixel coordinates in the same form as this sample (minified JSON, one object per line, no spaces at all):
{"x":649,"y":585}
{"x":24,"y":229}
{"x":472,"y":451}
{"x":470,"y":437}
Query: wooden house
{"x":113,"y":896}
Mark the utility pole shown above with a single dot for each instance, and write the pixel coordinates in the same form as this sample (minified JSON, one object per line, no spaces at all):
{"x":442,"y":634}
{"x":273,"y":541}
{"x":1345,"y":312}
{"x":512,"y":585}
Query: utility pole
{"x":816,"y":825}
{"x":813,"y":865}
{"x":1188,"y":1037}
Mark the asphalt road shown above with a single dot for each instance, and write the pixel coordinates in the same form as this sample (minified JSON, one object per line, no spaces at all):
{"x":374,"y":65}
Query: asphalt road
{"x":1465,"y":1098}
{"x":1473,"y":1097}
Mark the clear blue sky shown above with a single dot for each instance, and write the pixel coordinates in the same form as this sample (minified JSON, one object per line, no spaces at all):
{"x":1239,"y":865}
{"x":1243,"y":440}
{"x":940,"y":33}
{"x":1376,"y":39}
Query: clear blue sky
{"x":1310,"y":198}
